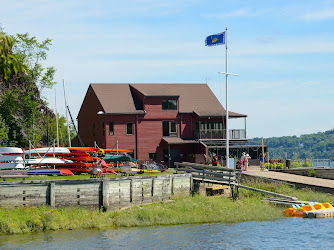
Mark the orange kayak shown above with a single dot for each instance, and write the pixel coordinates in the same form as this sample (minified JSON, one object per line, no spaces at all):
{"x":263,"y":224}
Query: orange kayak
{"x":119,"y":151}
{"x":86,"y":149}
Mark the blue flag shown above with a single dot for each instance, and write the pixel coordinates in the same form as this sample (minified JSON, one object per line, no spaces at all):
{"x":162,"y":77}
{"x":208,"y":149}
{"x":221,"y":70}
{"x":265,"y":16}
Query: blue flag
{"x":215,"y":39}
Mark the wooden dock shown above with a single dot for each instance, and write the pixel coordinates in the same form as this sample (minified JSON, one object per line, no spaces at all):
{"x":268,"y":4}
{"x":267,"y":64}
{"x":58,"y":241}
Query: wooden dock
{"x":317,"y":184}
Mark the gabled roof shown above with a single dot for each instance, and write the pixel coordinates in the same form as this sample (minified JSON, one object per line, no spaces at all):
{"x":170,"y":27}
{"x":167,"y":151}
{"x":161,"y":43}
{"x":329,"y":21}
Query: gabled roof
{"x":193,"y":98}
{"x":115,"y":98}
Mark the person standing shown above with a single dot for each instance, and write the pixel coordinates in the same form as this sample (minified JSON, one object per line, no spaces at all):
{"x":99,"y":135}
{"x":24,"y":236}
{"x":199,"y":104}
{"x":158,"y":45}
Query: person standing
{"x":261,"y":161}
{"x":242,"y":160}
{"x":214,"y":160}
{"x":246,"y":161}
{"x":99,"y":169}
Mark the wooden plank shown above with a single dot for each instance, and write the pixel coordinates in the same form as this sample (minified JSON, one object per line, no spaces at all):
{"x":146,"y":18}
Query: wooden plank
{"x":189,"y":170}
{"x":52,"y":195}
{"x":201,"y":166}
{"x":105,"y":194}
{"x":266,"y":192}
{"x":205,"y":178}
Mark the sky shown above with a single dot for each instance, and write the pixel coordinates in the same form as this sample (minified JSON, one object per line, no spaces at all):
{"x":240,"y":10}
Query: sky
{"x":283,"y":52}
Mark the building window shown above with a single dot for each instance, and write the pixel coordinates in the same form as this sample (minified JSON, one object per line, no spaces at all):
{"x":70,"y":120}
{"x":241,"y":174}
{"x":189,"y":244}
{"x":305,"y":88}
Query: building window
{"x":103,"y":129}
{"x":169,"y":128}
{"x":209,"y":126}
{"x":129,"y":128}
{"x":93,"y":129}
{"x":169,"y":104}
{"x":152,"y":156}
{"x":111,"y":128}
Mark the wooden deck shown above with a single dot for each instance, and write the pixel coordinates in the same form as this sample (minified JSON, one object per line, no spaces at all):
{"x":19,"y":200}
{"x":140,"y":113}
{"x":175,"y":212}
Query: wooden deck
{"x":318,"y":184}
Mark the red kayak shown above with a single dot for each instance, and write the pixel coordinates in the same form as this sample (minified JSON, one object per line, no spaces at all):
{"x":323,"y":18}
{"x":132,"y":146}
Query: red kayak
{"x":85,"y":149}
{"x":65,"y":171}
{"x":73,"y":169}
{"x":119,"y":151}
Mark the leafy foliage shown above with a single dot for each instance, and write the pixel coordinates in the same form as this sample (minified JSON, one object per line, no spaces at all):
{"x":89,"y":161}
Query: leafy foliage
{"x":9,"y":64}
{"x":319,"y":145}
{"x":30,"y":53}
{"x":20,"y":102}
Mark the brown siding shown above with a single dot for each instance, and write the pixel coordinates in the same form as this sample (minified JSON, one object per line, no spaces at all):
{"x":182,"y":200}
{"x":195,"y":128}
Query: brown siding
{"x":87,"y":117}
{"x":124,"y":141}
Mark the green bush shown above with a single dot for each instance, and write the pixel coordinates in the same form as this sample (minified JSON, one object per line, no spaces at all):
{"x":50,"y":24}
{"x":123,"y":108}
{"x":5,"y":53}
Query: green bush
{"x":275,"y":165}
{"x":311,"y":172}
{"x":301,"y":164}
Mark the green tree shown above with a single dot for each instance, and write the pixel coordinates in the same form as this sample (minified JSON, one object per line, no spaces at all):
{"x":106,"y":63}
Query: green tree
{"x":30,"y":53}
{"x":51,"y":126}
{"x":9,"y":64}
{"x":3,"y":132}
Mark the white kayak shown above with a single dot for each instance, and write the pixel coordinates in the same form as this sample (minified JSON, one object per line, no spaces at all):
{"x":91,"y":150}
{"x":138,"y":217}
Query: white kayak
{"x":11,"y":158}
{"x":10,"y":150}
{"x":46,"y":160}
{"x":50,"y":150}
{"x":11,"y":165}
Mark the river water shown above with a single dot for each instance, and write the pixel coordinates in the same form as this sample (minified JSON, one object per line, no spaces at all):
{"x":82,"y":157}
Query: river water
{"x":287,"y":233}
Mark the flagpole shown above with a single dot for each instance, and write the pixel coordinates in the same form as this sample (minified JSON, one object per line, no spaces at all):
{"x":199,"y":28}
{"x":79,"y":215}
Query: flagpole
{"x":226,"y":123}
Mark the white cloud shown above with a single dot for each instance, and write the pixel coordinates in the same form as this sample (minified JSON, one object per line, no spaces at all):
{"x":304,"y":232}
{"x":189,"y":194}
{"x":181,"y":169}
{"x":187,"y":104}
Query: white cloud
{"x":319,"y":15}
{"x":232,"y":14}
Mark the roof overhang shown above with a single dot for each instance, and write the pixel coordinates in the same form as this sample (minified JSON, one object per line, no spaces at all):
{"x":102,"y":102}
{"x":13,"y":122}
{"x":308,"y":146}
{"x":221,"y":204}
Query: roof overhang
{"x":178,"y":140}
{"x":139,"y":112}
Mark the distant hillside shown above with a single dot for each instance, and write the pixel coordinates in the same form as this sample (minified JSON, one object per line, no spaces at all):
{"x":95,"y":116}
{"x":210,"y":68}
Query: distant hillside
{"x":319,"y":145}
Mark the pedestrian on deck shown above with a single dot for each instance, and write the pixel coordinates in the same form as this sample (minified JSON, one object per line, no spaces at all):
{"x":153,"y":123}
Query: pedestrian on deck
{"x":242,"y":160}
{"x":261,"y":161}
{"x":99,"y":168}
{"x":214,"y":160}
{"x":246,"y":161}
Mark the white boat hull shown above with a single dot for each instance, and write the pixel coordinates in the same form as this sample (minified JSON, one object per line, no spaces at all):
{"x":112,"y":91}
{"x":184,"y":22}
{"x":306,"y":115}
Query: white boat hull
{"x":11,"y":165}
{"x":45,"y":161}
{"x":11,"y":158}
{"x":51,"y":150}
{"x":10,"y":150}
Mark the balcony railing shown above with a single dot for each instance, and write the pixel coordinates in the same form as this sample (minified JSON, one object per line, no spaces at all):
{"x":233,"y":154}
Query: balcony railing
{"x":234,"y":134}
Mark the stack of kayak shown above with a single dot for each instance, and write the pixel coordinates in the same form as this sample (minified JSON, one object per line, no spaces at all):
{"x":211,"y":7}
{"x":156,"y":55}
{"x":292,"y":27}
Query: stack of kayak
{"x":11,"y":158}
{"x":44,"y":161}
{"x":82,"y":160}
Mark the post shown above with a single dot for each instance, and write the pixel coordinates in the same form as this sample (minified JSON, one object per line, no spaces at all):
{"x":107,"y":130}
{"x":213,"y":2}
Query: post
{"x":153,"y":183}
{"x":171,"y":184}
{"x":117,"y":152}
{"x":56,"y":118}
{"x":68,"y":126}
{"x":131,"y":190}
{"x":52,"y":194}
{"x":227,"y":132}
{"x":245,"y":128}
{"x":105,"y":194}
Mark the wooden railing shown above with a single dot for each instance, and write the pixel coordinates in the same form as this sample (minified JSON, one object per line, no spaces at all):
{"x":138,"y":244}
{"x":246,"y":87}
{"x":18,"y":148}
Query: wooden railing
{"x":206,"y":173}
{"x":226,"y":176}
{"x":220,"y":134}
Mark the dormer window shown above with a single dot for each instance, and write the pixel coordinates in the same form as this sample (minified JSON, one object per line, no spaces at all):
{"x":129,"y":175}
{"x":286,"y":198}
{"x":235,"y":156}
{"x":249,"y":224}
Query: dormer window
{"x":169,"y":104}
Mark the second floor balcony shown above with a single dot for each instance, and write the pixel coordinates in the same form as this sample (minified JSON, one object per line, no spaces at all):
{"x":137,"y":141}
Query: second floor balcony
{"x":234,"y":134}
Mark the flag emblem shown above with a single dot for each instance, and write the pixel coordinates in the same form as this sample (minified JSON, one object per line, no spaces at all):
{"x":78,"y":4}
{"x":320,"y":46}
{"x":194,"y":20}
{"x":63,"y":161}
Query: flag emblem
{"x":215,"y":39}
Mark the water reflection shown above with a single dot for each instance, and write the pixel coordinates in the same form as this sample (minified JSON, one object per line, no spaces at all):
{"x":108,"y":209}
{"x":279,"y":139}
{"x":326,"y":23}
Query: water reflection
{"x":288,"y":233}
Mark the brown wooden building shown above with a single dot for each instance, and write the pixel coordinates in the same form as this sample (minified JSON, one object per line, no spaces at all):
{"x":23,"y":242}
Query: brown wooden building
{"x":163,"y":122}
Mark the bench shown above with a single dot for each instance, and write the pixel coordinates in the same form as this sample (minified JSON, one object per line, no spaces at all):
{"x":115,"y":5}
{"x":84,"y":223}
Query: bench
{"x":13,"y":174}
{"x":127,"y":171}
{"x":218,"y":190}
